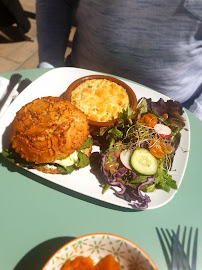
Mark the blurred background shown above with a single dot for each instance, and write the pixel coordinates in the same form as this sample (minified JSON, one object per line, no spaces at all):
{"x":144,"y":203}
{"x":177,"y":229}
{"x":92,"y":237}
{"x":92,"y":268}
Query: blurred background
{"x":18,"y":35}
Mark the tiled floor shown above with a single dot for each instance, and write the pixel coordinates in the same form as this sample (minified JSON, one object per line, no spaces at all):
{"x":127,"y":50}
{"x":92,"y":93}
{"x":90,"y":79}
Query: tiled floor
{"x":22,"y":54}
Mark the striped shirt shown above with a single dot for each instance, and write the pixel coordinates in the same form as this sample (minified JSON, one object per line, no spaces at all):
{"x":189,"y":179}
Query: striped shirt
{"x":156,"y":43}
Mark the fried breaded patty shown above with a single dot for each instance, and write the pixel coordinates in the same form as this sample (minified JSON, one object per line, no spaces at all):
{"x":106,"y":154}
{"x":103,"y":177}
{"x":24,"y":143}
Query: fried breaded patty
{"x":48,"y":129}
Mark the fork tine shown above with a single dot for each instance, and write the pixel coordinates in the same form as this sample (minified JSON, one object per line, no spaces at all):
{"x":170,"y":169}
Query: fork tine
{"x":181,"y":257}
{"x":180,"y":260}
{"x":184,"y":262}
{"x":170,"y":238}
{"x":164,"y":247}
{"x":194,"y":255}
{"x":185,"y":257}
{"x":189,"y":246}
{"x":180,"y":252}
{"x":167,"y":238}
{"x":175,"y":249}
{"x":184,"y":236}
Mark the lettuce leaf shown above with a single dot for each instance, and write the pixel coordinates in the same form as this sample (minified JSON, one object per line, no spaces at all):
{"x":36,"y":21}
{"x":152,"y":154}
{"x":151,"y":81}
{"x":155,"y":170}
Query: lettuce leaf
{"x":66,"y":170}
{"x":87,"y":144}
{"x":14,"y":157}
{"x":164,"y":181}
{"x":83,"y":159}
{"x":115,"y":131}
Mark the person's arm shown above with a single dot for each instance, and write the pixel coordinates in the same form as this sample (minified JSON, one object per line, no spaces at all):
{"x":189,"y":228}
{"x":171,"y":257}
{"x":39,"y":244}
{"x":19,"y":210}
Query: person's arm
{"x":54,"y":18}
{"x":195,"y":8}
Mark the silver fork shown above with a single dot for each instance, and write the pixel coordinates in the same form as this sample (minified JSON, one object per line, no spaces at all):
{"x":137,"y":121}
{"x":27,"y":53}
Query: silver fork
{"x":181,"y":258}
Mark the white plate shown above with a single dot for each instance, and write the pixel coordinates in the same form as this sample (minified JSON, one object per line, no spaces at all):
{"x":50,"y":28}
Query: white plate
{"x":99,"y":245}
{"x":54,"y":83}
{"x":3,"y":85}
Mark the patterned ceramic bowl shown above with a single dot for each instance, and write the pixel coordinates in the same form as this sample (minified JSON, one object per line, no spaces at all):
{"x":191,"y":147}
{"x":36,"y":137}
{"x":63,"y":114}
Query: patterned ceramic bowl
{"x":97,"y":246}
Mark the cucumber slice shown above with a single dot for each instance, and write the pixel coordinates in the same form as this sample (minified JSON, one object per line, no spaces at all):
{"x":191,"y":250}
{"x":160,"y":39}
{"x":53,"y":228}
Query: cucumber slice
{"x":143,"y":162}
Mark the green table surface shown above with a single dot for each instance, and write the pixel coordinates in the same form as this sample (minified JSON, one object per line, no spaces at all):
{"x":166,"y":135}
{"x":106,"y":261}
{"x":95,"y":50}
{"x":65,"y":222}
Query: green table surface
{"x":38,"y":217}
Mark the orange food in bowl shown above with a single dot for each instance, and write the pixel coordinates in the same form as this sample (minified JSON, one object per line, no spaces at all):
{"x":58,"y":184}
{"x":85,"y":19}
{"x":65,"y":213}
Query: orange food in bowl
{"x":79,"y":263}
{"x":101,"y":98}
{"x":108,"y":263}
{"x":86,"y":263}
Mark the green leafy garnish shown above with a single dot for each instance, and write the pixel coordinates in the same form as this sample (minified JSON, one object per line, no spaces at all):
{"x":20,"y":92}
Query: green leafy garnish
{"x":139,"y":179}
{"x":125,"y":116}
{"x":14,"y":157}
{"x":164,"y":180}
{"x":116,"y":132}
{"x":67,"y":169}
{"x":87,"y":144}
{"x":83,"y":160}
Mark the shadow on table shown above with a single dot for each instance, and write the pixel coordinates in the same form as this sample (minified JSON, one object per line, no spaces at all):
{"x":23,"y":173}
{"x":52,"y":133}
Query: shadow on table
{"x":166,"y":237}
{"x":180,"y":252}
{"x":13,"y":168}
{"x":36,"y":258}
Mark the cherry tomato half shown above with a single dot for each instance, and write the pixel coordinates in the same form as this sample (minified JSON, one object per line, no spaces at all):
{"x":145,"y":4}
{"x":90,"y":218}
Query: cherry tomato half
{"x":158,"y":148}
{"x":149,"y":119}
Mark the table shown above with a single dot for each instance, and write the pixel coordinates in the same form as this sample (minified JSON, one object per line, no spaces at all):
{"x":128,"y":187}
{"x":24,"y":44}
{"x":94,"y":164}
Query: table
{"x":38,"y":217}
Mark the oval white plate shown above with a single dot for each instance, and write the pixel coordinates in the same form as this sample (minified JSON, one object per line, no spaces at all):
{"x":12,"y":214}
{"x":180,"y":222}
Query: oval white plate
{"x":99,"y":245}
{"x":54,"y":83}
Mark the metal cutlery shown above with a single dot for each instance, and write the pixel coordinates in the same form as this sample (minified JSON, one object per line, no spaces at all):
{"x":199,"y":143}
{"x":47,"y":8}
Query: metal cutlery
{"x":14,"y":79}
{"x":12,"y":92}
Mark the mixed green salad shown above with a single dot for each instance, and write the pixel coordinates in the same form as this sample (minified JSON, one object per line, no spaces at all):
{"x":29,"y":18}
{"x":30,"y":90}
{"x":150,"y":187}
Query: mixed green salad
{"x":137,"y":152}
